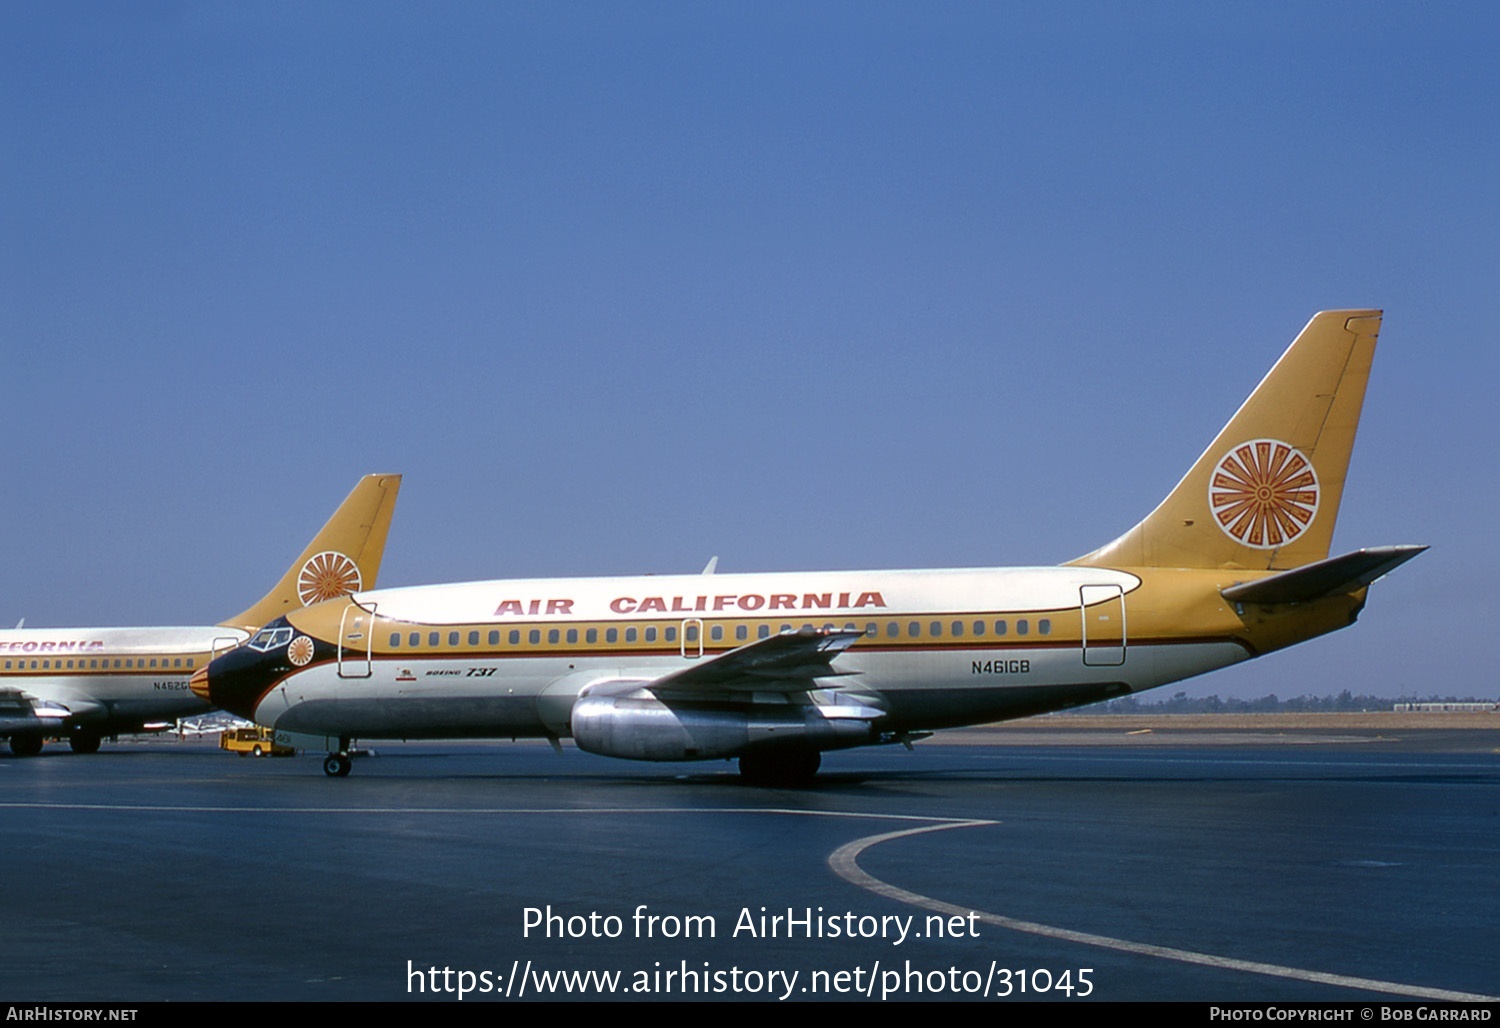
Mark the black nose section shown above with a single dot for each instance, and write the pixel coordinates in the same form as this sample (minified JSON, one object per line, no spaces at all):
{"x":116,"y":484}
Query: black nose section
{"x":238,"y":680}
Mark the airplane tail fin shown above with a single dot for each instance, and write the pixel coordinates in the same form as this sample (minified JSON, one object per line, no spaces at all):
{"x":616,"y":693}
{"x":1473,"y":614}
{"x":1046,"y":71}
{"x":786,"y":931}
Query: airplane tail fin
{"x":343,"y":557}
{"x":1266,"y":492}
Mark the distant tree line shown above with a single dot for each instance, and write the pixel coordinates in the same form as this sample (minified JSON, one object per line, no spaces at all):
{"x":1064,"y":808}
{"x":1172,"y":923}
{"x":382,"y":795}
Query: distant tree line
{"x":1344,"y":702}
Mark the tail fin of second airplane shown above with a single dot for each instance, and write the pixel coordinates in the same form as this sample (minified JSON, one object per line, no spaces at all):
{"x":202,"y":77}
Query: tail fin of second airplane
{"x":1266,"y":492}
{"x":342,"y":558}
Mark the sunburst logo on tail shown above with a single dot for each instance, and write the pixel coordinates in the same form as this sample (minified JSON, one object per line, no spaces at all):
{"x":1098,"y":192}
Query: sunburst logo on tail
{"x":1264,"y":493}
{"x":327,"y":576}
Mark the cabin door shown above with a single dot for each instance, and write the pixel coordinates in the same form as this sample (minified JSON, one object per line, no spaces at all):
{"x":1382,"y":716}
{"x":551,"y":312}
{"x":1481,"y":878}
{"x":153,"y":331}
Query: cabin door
{"x":356,"y":641}
{"x":1103,"y":609}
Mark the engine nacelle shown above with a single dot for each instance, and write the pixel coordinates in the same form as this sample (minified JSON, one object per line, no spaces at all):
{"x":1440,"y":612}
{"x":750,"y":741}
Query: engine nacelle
{"x":638,"y":726}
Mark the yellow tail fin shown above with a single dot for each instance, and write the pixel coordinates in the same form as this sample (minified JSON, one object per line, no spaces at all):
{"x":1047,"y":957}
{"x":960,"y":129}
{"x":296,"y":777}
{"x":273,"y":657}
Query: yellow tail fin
{"x":1266,"y":492}
{"x":342,"y":558}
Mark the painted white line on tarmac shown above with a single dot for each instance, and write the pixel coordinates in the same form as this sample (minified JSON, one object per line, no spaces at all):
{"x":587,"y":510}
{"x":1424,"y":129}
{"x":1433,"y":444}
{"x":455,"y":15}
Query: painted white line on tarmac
{"x":844,"y":863}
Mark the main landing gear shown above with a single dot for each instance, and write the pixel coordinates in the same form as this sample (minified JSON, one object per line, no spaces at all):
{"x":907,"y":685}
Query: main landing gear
{"x":782,"y":769}
{"x":84,"y":741}
{"x":26,"y":744}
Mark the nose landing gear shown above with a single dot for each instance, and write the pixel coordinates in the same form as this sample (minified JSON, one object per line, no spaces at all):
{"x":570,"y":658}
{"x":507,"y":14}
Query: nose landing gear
{"x":338,"y":765}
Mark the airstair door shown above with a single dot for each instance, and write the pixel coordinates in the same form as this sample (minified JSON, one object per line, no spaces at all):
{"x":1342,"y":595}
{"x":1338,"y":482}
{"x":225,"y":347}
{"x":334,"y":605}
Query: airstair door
{"x":356,"y":641}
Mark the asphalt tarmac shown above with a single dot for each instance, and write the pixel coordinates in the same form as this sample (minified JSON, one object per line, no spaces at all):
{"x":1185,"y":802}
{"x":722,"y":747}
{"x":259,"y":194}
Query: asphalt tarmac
{"x":1313,"y":865}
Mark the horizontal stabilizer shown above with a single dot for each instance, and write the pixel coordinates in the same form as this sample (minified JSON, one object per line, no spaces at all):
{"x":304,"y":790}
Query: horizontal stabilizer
{"x":1325,"y":578}
{"x":787,"y":662}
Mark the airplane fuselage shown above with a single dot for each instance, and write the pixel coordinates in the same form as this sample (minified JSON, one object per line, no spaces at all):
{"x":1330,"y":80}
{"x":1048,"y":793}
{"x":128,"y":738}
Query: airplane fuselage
{"x":107,"y":680}
{"x":935,"y":649}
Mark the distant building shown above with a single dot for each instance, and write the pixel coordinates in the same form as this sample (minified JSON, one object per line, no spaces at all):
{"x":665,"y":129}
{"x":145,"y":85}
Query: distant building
{"x":1444,"y":708}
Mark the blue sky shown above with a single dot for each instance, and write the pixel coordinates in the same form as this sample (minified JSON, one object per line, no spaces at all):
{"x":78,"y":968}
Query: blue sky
{"x":618,"y":287}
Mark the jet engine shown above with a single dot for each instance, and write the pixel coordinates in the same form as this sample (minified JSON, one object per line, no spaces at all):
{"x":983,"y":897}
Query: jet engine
{"x":638,"y":725}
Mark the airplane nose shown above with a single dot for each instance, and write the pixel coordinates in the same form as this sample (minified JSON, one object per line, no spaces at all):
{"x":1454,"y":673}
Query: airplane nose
{"x":199,"y":684}
{"x":238,"y":680}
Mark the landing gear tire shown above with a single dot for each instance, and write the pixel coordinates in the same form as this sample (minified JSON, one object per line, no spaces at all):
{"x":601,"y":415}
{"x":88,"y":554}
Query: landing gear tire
{"x":258,"y":752}
{"x":84,"y":742}
{"x":787,"y":769}
{"x":26,"y":745}
{"x":338,"y":765}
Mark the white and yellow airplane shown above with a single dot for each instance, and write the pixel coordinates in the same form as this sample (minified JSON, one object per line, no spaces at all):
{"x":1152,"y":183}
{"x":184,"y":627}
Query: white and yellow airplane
{"x":772,"y":669}
{"x":87,"y":683}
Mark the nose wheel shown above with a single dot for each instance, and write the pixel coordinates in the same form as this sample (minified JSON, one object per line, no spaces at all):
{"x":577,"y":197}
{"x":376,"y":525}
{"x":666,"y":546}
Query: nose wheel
{"x":338,"y":766}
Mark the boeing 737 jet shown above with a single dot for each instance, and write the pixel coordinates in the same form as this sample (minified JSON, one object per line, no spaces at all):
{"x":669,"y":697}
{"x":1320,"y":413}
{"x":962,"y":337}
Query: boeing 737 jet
{"x":88,"y":683}
{"x":773,"y":669}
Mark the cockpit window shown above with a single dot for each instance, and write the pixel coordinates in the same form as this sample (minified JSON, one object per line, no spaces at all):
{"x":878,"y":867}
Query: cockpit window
{"x":268,"y":639}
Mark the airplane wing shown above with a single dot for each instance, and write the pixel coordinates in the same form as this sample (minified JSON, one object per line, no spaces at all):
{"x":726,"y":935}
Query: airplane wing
{"x":22,"y":712}
{"x":1325,"y":577}
{"x":787,"y":662}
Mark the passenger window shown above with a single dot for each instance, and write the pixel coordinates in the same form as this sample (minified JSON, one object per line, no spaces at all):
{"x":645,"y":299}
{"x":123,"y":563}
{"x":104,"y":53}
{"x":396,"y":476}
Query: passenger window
{"x":515,"y":637}
{"x":1044,"y":626}
{"x":611,"y":635}
{"x":742,"y":632}
{"x":474,"y":638}
{"x":554,"y":635}
{"x":892,"y":630}
{"x":415,"y":639}
{"x":690,"y":633}
{"x":651,"y":634}
{"x":592,"y":635}
{"x":572,"y":636}
{"x":958,"y":629}
{"x":494,"y":638}
{"x":937,"y":629}
{"x":999,"y":627}
{"x":1022,"y":627}
{"x":395,"y":640}
{"x":452,"y":638}
{"x":763,"y":632}
{"x":630,"y":634}
{"x":914,"y":629}
{"x":717,"y":632}
{"x":535,"y":635}
{"x":979,"y":628}
{"x":432,"y":638}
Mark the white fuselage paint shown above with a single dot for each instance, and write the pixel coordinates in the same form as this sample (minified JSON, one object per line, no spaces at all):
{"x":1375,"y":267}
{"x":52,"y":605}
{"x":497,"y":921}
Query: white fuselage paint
{"x":920,"y":683}
{"x":111,"y":674}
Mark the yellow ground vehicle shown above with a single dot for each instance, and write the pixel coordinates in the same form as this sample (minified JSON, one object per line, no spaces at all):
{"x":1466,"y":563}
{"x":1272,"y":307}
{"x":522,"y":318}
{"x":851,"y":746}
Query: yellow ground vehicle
{"x":254,"y":742}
